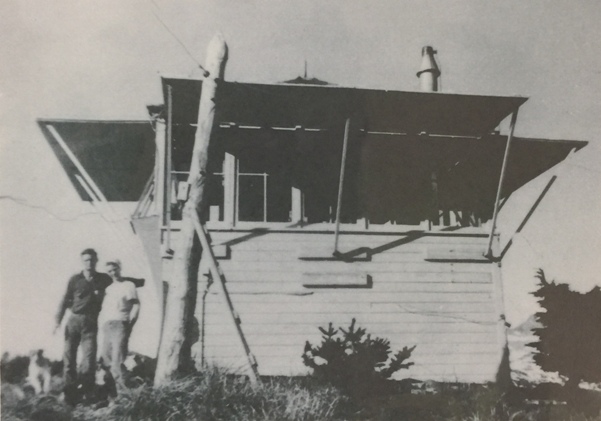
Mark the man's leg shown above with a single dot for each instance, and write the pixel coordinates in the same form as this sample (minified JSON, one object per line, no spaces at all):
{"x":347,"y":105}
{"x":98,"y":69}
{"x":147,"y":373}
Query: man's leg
{"x":46,"y":383}
{"x":106,"y":346}
{"x":72,"y":339}
{"x":120,"y":337}
{"x":88,"y":361}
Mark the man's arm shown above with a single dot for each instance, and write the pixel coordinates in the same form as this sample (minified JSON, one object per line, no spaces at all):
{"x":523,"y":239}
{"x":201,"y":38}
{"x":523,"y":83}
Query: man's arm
{"x":135,"y":309}
{"x":65,"y":303}
{"x":133,"y":314}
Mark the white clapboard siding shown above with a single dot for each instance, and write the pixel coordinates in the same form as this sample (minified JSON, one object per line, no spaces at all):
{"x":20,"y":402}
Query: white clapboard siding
{"x":292,"y":268}
{"x":469,"y":372}
{"x":397,"y":329}
{"x":478,"y":351}
{"x":411,"y":313}
{"x":445,"y":252}
{"x":246,"y":240}
{"x":363,"y":296}
{"x":466,"y":339}
{"x":364,"y":320}
{"x":262,"y":309}
{"x":433,"y":291}
{"x":285,"y":287}
{"x":462,"y":367}
{"x":456,"y":274}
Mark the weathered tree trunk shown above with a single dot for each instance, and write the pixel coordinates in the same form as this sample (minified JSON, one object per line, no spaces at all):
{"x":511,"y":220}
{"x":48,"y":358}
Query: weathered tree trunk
{"x":181,"y":300}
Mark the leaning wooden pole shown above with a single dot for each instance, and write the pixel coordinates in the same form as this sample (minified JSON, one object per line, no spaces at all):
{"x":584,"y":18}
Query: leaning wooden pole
{"x":341,"y":185}
{"x":217,"y":273}
{"x":181,"y":299}
{"x":489,"y":253}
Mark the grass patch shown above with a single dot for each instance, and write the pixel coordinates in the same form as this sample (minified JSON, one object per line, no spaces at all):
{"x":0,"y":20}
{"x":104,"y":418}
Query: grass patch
{"x":215,"y":395}
{"x":212,"y":395}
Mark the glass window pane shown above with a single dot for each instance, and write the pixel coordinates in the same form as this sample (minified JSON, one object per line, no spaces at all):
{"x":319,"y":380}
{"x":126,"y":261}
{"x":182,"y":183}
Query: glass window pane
{"x":250,"y":198}
{"x":279,"y":198}
{"x":214,"y":194}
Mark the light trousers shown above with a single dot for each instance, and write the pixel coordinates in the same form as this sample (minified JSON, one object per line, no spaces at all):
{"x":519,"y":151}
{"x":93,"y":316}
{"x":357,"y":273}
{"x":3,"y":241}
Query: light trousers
{"x":114,"y":347}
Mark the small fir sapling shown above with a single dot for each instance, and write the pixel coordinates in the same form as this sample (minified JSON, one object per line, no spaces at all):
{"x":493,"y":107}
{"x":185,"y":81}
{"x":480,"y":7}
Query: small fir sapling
{"x":354,"y":361}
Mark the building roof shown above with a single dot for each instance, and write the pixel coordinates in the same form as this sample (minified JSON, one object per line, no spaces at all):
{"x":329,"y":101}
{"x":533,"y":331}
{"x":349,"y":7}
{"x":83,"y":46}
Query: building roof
{"x":310,"y":106}
{"x":119,"y":155}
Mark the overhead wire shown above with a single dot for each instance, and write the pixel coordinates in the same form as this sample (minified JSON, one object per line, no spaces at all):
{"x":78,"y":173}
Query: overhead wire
{"x":584,"y":167}
{"x":125,"y":241}
{"x":177,"y":39}
{"x":23,"y":202}
{"x":442,"y":315}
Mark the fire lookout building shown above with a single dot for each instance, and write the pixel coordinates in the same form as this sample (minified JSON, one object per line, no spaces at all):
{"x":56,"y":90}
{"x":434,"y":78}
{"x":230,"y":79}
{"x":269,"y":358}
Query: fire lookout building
{"x":327,"y":203}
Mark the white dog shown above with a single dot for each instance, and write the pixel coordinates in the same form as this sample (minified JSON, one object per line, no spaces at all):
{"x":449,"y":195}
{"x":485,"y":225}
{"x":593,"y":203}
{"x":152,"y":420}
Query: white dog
{"x":39,"y":375}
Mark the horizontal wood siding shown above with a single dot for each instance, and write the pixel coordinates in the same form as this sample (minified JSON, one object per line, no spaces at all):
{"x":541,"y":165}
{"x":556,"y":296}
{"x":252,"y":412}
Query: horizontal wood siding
{"x":446,"y":308}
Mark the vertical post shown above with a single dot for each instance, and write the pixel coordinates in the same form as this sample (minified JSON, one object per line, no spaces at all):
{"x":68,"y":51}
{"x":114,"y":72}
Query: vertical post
{"x":297,"y":213}
{"x":503,"y":374}
{"x":514,"y":117}
{"x":181,"y":299}
{"x":435,"y":212}
{"x":237,"y":192}
{"x":297,"y":206}
{"x":159,"y":177}
{"x":265,"y":197}
{"x":229,"y":189}
{"x":341,"y":184}
{"x":167,"y":180}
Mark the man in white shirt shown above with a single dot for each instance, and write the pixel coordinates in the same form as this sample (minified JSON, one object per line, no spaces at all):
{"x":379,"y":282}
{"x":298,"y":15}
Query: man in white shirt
{"x":120,"y":311}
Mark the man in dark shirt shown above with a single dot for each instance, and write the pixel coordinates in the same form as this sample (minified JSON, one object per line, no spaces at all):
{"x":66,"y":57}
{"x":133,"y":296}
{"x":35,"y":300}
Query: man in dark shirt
{"x":84,"y":295}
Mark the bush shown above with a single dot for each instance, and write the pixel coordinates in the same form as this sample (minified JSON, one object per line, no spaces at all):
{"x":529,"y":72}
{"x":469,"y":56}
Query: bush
{"x":354,"y":361}
{"x":14,"y":370}
{"x":36,"y":408}
{"x":570,"y":338}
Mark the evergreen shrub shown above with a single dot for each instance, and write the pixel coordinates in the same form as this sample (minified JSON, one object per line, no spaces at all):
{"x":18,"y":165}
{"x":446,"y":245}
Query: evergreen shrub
{"x":354,"y":361}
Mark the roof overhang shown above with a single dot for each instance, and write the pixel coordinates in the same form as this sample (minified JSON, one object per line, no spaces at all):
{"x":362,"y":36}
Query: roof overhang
{"x":117,"y":155}
{"x":452,"y":131}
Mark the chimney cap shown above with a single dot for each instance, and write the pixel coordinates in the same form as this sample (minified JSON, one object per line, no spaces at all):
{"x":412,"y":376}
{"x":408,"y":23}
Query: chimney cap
{"x":428,"y":62}
{"x":428,"y":49}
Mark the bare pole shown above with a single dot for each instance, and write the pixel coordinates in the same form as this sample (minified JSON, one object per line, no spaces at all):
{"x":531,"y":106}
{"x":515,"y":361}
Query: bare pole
{"x":514,"y":117}
{"x":216,"y":60}
{"x":181,"y":299}
{"x":341,"y":184}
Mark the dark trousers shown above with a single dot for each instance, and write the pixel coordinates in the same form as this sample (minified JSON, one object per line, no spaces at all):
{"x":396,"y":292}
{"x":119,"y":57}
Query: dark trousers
{"x":81,"y":331}
{"x":114,"y":347}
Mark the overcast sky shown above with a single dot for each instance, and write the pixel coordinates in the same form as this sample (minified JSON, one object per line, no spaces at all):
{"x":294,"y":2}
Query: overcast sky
{"x":102,"y":60}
